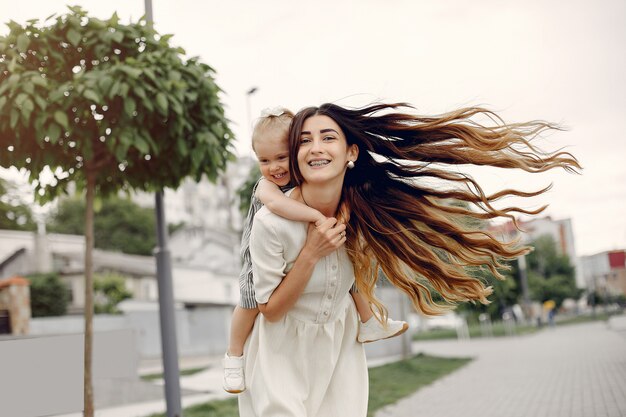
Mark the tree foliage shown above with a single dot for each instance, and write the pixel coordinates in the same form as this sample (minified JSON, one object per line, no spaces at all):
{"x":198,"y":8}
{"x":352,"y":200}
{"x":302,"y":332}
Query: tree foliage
{"x":110,"y":289}
{"x":119,"y":224}
{"x":49,"y":296}
{"x":245,"y":191}
{"x":14,"y":213}
{"x":551,"y":276}
{"x":113,"y":98}
{"x":505,"y":294}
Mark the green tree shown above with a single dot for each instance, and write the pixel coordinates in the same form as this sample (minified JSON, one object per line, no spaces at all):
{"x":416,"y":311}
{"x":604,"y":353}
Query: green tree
{"x":110,"y":289}
{"x":106,"y":106}
{"x":505,"y":294}
{"x":68,"y":217}
{"x":49,"y":296}
{"x":14,"y":213}
{"x":245,"y":191}
{"x":119,"y":224}
{"x":551,"y":276}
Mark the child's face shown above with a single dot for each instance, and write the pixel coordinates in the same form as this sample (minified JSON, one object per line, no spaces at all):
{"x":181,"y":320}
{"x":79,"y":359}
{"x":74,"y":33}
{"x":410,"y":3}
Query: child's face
{"x":273,"y":154}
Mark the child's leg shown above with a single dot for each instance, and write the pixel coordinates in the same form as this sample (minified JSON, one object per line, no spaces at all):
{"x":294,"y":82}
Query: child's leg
{"x":371,"y":329}
{"x":240,"y":328}
{"x":362,"y":306}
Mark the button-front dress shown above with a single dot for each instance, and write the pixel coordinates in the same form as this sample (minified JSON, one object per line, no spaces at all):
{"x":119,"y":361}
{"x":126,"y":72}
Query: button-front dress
{"x":309,"y":363}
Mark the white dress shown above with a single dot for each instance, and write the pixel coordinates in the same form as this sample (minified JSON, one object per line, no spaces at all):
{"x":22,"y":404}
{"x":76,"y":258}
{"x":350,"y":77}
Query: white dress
{"x":309,"y":363}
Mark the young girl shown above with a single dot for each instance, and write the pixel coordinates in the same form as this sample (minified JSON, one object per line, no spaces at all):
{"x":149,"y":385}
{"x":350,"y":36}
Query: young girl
{"x":270,"y":143}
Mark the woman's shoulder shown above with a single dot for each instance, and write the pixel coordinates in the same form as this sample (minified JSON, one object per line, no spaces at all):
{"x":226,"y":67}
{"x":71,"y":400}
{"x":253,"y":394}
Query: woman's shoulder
{"x":286,"y":230}
{"x":271,"y":230}
{"x":264,"y":215}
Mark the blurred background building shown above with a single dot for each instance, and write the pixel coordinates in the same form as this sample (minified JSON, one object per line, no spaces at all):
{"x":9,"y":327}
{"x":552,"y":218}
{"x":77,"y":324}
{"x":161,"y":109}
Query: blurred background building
{"x":205,"y":204}
{"x":560,"y":230}
{"x":605,"y":272}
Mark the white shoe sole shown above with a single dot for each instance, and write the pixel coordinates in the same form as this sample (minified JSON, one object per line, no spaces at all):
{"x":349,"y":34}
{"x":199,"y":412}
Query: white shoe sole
{"x":404,"y":328}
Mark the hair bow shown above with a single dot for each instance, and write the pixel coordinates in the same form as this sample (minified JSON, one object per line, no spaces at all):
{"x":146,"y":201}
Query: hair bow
{"x":272,"y":111}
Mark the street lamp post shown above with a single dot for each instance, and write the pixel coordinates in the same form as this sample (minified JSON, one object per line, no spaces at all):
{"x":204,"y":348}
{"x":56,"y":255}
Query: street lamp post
{"x":169,"y":347}
{"x":249,"y":94}
{"x":523,"y":275}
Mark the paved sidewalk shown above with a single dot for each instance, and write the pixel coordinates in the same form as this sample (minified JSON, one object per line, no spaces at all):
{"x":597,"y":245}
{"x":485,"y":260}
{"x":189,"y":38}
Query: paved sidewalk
{"x":198,"y":388}
{"x":568,"y":371}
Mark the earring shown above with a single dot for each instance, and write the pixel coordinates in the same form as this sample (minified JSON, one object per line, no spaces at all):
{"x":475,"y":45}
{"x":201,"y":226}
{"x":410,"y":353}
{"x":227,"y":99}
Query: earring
{"x":350,"y":164}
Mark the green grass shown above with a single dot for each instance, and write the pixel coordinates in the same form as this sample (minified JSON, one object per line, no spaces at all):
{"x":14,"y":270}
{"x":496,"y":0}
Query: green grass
{"x":582,"y":319}
{"x":435,"y":334}
{"x":217,"y":408}
{"x":184,"y":372}
{"x":498,"y":330}
{"x":388,"y":384}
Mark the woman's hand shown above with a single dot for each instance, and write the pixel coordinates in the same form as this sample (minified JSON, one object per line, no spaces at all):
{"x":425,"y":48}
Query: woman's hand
{"x":325,"y":238}
{"x":321,"y":241}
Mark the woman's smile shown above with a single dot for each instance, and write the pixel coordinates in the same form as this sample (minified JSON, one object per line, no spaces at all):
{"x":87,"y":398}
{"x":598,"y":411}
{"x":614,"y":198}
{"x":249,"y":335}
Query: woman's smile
{"x":319,"y":163}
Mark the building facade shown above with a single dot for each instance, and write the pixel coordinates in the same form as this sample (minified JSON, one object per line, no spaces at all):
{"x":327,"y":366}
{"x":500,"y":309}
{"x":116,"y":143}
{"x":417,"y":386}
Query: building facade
{"x":560,"y":230}
{"x":605,"y":272}
{"x":205,"y":204}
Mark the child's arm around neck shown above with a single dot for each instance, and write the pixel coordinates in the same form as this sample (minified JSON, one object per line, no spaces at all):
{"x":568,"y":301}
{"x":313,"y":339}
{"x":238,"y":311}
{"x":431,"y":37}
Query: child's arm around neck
{"x":283,"y":206}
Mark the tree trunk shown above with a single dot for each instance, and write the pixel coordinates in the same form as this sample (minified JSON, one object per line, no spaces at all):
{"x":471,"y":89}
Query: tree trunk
{"x":89,"y":243}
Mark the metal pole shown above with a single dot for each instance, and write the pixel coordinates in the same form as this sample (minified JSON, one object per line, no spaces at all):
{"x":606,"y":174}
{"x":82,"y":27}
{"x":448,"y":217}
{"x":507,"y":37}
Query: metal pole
{"x":149,"y":16}
{"x":521,"y":261}
{"x":248,"y":109}
{"x":169,"y":348}
{"x":593,"y":297}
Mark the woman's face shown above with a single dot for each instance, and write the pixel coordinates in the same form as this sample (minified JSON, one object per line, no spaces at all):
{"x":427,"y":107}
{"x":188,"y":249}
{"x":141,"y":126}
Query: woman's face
{"x":324,"y":151}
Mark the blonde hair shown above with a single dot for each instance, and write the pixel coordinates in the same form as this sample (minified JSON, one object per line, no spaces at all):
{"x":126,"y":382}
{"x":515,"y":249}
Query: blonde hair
{"x":272,"y":120}
{"x":397,"y":221}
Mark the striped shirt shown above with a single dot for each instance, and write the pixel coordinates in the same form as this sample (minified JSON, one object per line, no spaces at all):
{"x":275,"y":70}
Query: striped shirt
{"x":246,"y":285}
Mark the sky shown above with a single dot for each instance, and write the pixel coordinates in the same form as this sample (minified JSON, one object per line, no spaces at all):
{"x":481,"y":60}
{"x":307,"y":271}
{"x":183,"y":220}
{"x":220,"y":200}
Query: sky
{"x":561,"y":61}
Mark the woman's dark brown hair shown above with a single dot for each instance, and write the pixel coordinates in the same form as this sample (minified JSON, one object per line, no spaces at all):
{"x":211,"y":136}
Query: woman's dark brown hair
{"x":397,"y":198}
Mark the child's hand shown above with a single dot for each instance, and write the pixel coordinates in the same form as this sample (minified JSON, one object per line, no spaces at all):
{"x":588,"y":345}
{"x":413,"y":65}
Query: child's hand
{"x":321,"y":220}
{"x":326,"y":238}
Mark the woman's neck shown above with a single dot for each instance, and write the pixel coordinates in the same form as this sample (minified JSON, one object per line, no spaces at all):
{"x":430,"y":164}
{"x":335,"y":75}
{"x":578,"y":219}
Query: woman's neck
{"x":324,"y":199}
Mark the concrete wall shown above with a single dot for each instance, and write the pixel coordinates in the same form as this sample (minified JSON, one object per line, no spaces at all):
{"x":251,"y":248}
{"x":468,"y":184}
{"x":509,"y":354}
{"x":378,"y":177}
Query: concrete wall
{"x":205,"y":330}
{"x":200,"y":331}
{"x":44,"y":375}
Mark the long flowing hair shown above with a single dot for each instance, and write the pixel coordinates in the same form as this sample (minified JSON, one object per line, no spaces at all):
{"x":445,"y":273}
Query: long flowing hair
{"x":397,"y":199}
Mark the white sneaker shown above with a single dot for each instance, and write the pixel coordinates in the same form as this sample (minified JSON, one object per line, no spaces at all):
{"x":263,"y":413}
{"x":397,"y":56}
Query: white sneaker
{"x":372,"y":330}
{"x":234,"y":381}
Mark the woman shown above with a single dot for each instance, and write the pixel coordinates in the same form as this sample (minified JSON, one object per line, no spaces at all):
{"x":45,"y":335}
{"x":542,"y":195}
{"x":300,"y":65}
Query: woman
{"x":399,"y":204}
{"x":303,"y":358}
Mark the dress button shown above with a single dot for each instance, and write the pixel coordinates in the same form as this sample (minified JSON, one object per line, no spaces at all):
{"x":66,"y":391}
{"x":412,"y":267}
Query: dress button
{"x":330,"y":297}
{"x":325,"y":313}
{"x":334,"y":267}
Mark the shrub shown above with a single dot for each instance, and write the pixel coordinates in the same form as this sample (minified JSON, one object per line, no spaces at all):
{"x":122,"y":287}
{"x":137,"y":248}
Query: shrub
{"x":110,"y":289}
{"x":49,"y":296}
